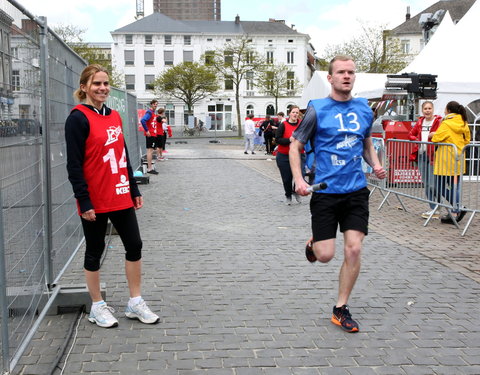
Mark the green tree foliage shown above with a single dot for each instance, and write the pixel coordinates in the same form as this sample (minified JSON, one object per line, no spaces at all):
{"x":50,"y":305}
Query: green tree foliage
{"x":187,"y":81}
{"x":73,"y":37}
{"x":233,"y":62}
{"x":277,"y":81}
{"x":373,"y":50}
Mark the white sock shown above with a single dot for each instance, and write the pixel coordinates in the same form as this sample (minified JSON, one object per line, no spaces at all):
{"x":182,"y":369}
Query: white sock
{"x":98,"y":303}
{"x":135,"y":300}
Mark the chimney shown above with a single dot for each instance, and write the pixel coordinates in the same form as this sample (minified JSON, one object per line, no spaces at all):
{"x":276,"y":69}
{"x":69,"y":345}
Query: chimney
{"x":407,"y":16}
{"x":237,"y":20}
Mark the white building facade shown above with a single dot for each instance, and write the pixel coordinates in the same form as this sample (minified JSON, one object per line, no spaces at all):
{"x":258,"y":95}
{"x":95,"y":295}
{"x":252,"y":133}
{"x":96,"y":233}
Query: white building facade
{"x":145,"y":48}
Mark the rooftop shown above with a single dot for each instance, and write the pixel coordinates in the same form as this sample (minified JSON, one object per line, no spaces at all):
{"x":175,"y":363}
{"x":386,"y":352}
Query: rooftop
{"x":456,"y":8}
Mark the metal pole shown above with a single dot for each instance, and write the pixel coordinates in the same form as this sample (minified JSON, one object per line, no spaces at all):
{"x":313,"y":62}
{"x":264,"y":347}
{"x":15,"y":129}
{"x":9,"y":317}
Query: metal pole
{"x":47,"y":167}
{"x":3,"y":299}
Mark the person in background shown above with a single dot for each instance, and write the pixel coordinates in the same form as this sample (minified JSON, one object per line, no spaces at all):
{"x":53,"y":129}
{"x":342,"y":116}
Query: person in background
{"x":283,"y":138}
{"x":340,"y":128}
{"x":249,"y":134}
{"x":149,"y":124}
{"x":423,"y":154}
{"x":101,"y":175}
{"x":160,"y":140}
{"x":449,"y":165}
{"x":267,"y":129}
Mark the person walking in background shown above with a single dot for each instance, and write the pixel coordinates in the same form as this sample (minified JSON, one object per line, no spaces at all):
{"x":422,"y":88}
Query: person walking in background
{"x":283,"y":138}
{"x":99,"y":170}
{"x":340,"y":128}
{"x":267,"y":129}
{"x":249,"y":134}
{"x":449,"y":163}
{"x":148,"y":122}
{"x":423,"y":154}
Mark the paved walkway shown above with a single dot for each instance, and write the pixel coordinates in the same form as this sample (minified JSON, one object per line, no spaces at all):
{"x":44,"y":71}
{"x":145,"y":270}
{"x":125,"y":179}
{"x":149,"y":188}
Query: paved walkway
{"x":224,"y":267}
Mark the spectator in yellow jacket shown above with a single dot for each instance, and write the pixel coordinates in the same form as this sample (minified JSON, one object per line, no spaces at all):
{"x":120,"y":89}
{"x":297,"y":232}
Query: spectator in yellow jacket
{"x":449,"y":161}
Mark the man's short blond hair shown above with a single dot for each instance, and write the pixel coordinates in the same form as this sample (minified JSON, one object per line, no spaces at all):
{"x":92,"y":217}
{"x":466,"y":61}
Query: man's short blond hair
{"x":338,"y":58}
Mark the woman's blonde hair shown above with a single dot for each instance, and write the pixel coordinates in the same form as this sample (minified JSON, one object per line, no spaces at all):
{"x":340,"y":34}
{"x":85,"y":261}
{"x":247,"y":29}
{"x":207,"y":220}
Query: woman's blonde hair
{"x":88,"y":72}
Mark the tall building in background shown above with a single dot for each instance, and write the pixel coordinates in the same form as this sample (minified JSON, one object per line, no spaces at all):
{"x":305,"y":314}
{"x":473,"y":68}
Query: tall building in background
{"x":189,"y":9}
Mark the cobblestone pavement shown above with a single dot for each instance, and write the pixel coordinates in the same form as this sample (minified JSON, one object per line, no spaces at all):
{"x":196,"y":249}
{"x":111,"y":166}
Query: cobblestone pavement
{"x":224,"y":268}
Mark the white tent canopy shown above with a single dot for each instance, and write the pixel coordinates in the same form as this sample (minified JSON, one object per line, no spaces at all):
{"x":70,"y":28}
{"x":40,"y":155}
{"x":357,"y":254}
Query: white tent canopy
{"x":452,"y":55}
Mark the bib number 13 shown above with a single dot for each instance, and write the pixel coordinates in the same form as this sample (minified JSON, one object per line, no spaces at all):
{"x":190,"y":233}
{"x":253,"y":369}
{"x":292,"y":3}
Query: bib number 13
{"x":110,"y":156}
{"x":352,"y":124}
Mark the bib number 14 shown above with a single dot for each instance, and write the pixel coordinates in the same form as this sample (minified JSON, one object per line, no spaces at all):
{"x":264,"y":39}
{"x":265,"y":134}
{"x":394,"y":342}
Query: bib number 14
{"x":110,"y":157}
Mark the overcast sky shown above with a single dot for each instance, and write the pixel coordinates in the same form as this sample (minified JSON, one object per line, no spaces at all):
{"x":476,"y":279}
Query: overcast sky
{"x":326,"y":21}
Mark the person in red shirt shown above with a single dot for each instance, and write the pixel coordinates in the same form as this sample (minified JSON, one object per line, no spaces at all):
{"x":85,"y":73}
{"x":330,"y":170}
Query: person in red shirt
{"x":149,"y":123}
{"x":99,"y":170}
{"x":283,"y":137}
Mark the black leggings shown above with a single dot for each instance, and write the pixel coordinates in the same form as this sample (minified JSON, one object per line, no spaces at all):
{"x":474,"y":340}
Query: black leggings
{"x":283,"y":164}
{"x":268,"y":142}
{"x":125,"y":222}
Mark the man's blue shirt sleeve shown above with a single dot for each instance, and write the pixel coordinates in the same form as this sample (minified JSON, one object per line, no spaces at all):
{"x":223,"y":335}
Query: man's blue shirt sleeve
{"x":145,"y":118}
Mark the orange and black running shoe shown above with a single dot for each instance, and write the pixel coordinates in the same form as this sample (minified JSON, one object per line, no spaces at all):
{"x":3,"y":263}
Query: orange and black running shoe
{"x":341,"y":317}
{"x":309,"y":252}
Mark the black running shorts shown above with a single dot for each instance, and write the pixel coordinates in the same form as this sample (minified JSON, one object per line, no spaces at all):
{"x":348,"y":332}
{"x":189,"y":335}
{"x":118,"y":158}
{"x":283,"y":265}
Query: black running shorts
{"x":350,"y":211}
{"x":151,"y":142}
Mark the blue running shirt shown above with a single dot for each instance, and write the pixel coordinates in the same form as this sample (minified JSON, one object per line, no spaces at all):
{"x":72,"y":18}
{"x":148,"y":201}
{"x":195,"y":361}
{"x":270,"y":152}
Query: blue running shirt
{"x":341,"y":128}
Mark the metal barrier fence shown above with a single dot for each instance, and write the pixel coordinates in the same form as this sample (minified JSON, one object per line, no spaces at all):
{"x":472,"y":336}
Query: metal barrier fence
{"x":40,"y":232}
{"x":437,"y":175}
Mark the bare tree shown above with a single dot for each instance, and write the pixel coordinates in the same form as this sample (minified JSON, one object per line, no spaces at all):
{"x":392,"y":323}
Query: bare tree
{"x":73,"y":37}
{"x":374,"y":51}
{"x":278,"y":81}
{"x":233,"y":62}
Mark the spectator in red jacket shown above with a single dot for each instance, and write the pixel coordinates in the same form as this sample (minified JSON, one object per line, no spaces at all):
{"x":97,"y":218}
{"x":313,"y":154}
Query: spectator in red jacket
{"x":423,"y":154}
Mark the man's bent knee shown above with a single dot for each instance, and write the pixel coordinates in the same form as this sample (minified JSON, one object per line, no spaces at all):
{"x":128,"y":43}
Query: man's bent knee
{"x":324,"y":254}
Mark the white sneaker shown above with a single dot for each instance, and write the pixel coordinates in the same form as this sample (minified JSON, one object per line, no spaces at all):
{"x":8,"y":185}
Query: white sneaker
{"x":141,"y":312}
{"x":288,"y":201}
{"x":102,"y":316}
{"x":297,"y":198}
{"x":427,"y":214}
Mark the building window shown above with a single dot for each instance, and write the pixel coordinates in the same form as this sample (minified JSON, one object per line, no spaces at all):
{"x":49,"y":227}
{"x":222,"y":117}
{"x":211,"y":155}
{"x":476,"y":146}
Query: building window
{"x":149,"y":78}
{"x":269,"y":57}
{"x":405,"y":46}
{"x":209,"y":40}
{"x":228,"y":40}
{"x":129,"y":39}
{"x":15,"y":52}
{"x":220,"y":116}
{"x":250,"y":82}
{"x":228,"y":82}
{"x":15,"y":80}
{"x":270,"y":110}
{"x":168,"y":57}
{"x":209,"y":56}
{"x":290,"y":81}
{"x":270,"y":79}
{"x":228,"y":57}
{"x":249,"y":57}
{"x":130,"y":81}
{"x":148,"y":39}
{"x":187,"y":56}
{"x":168,"y":39}
{"x":290,"y":57}
{"x":250,"y":110}
{"x":290,"y":40}
{"x":149,"y":57}
{"x":129,"y":57}
{"x":170,"y":113}
{"x":187,"y":40}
